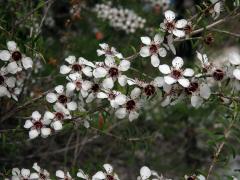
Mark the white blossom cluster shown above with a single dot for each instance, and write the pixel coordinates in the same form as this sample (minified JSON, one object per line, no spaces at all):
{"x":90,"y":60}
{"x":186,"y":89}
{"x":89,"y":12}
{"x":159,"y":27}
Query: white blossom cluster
{"x":120,"y":18}
{"x":107,"y":174}
{"x":90,"y":81}
{"x":164,"y":4}
{"x":12,"y":70}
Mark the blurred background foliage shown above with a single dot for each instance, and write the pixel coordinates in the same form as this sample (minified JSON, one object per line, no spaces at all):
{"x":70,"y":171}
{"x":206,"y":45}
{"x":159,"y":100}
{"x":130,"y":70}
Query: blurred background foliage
{"x":175,"y":140}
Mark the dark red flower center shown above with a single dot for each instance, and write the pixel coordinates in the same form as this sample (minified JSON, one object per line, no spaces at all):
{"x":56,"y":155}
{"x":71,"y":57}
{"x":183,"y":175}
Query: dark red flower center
{"x":170,"y":25}
{"x":38,"y":125}
{"x":59,"y":115}
{"x":111,"y":96}
{"x":77,"y":67}
{"x":62,"y":99}
{"x":42,"y":176}
{"x":130,"y":105}
{"x":16,"y":56}
{"x":149,"y":90}
{"x":95,"y":88}
{"x":110,"y":177}
{"x":113,"y":72}
{"x":153,"y":49}
{"x":78,"y":84}
{"x":176,"y":73}
{"x":192,"y":87}
{"x":1,"y":80}
{"x":218,"y":74}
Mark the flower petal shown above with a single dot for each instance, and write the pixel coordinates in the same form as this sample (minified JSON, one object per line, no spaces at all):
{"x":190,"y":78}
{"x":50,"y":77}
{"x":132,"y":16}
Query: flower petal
{"x":184,"y":82}
{"x":51,"y":97}
{"x":60,"y":174}
{"x":65,"y":69}
{"x":181,"y":23}
{"x":99,"y":72}
{"x":158,"y":39}
{"x":5,"y":55}
{"x":165,"y":69}
{"x":133,"y":115}
{"x":121,"y":113}
{"x":70,"y":59}
{"x":196,"y":101}
{"x":124,"y":65}
{"x":236,"y":74}
{"x":205,"y":91}
{"x":146,"y":40}
{"x":108,"y":83}
{"x":108,"y":168}
{"x":169,"y":80}
{"x":177,"y":62}
{"x":36,"y":115}
{"x":178,"y":33}
{"x":188,"y":72}
{"x":135,"y":93}
{"x":169,"y":15}
{"x":158,"y":81}
{"x":12,"y":67}
{"x":28,"y":124}
{"x":155,"y":60}
{"x":57,"y":125}
{"x":33,"y":134}
{"x":145,"y":172}
{"x":27,"y":62}
{"x":12,"y":45}
{"x":59,"y":89}
{"x":72,"y":106}
{"x":162,"y":52}
{"x":122,"y":80}
{"x":145,"y":51}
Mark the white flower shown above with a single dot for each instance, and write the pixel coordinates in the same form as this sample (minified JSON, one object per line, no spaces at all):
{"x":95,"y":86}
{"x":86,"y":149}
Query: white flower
{"x":108,"y":174}
{"x":217,"y":8}
{"x":173,"y":94}
{"x":56,"y":118}
{"x":80,"y":66}
{"x":234,"y":59}
{"x":153,"y":49}
{"x":149,"y":89}
{"x":37,"y":126}
{"x":82,"y":175}
{"x":130,"y":107}
{"x":6,"y":83}
{"x":16,"y":60}
{"x":176,"y":73}
{"x":61,"y":97}
{"x":199,"y":177}
{"x":92,"y":89}
{"x":172,"y":26}
{"x":109,"y":52}
{"x":112,"y":71}
{"x":145,"y":173}
{"x":41,"y":173}
{"x":199,"y":92}
{"x":78,"y":84}
{"x":23,"y":174}
{"x":115,"y":98}
{"x":204,"y":61}
{"x":63,"y":175}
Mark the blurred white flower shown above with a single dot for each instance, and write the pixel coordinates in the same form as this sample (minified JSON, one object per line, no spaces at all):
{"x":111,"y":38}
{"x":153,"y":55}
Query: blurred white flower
{"x":153,"y":49}
{"x":63,"y":97}
{"x":37,"y":126}
{"x":15,"y":59}
{"x":173,"y":26}
{"x":176,"y":73}
{"x":63,"y":175}
{"x":130,"y":107}
{"x":109,"y":174}
{"x":80,"y":66}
